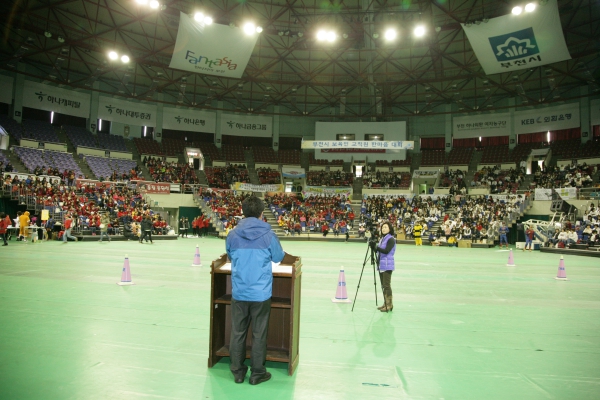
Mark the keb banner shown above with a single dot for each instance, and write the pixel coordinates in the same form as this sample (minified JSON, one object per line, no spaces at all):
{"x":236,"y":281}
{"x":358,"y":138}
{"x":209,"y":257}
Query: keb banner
{"x":6,"y":89}
{"x":211,"y":49}
{"x":293,"y":172}
{"x":52,"y":98}
{"x":595,"y":112}
{"x":248,"y":187}
{"x":481,"y":125}
{"x":514,"y":42}
{"x":126,"y":112}
{"x":357,"y":144}
{"x":547,"y":119}
{"x":325,"y":191}
{"x":246,"y":125}
{"x":189,"y":120}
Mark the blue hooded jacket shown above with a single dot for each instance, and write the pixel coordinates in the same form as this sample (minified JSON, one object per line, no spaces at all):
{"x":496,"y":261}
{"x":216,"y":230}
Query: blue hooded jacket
{"x":251,"y":247}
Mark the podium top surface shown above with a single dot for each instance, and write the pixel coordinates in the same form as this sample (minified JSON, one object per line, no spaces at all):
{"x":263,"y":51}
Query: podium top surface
{"x":290,"y":265}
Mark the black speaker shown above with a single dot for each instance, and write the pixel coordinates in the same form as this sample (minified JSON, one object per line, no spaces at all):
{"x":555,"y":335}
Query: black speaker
{"x":560,"y":206}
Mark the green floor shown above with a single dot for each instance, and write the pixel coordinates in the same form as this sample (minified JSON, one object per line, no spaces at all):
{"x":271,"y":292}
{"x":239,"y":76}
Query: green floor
{"x":464,"y":325}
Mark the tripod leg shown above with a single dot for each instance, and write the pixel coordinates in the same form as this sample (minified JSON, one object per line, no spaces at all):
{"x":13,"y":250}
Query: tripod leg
{"x":360,"y":279}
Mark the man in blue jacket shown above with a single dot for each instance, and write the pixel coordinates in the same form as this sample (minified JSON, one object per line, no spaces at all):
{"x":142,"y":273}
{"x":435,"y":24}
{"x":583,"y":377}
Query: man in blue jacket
{"x":251,"y":247}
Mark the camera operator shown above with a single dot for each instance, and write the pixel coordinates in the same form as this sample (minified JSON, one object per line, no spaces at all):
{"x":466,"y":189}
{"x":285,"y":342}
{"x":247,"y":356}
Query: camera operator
{"x":386,"y":249}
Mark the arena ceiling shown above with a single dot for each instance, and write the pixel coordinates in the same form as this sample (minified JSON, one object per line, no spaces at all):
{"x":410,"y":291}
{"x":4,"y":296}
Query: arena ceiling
{"x":360,"y":76}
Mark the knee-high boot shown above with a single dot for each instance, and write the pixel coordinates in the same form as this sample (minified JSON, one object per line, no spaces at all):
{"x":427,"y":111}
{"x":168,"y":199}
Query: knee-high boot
{"x":389,"y":305}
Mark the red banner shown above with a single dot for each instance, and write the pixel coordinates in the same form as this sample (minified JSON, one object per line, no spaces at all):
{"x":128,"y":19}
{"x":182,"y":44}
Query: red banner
{"x":352,"y":150}
{"x":161,"y":188}
{"x":91,"y":182}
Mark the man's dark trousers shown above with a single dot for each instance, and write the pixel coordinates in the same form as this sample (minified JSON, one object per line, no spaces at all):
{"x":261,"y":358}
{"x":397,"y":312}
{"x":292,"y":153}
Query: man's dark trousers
{"x":242,"y":314}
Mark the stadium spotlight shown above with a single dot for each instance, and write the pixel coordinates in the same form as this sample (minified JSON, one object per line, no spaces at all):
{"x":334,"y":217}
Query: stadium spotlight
{"x":321,"y":35}
{"x":154,"y":4}
{"x":529,"y":7}
{"x":125,"y":59}
{"x":517,"y":10}
{"x":390,"y":34}
{"x":259,"y":29}
{"x":249,"y":28}
{"x":113,"y":55}
{"x":331,"y":36}
{"x":208,"y":20}
{"x":199,"y":16}
{"x":419,"y":31}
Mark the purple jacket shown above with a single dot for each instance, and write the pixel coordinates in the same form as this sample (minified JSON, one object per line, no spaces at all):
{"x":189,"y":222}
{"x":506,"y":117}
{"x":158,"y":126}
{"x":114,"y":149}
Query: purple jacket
{"x":386,"y":260}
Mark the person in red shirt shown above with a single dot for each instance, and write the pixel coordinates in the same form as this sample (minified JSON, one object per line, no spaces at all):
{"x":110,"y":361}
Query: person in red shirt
{"x":4,"y":223}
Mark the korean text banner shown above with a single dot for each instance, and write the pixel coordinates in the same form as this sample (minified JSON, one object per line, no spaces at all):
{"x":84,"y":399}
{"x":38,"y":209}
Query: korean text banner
{"x":547,"y":119}
{"x":189,"y":120}
{"x":481,"y":125}
{"x":211,"y":49}
{"x":595,"y":112}
{"x":126,"y":112}
{"x":248,"y":187}
{"x":6,"y":89}
{"x":52,"y":98}
{"x":514,"y":42}
{"x":246,"y":125}
{"x":358,"y":144}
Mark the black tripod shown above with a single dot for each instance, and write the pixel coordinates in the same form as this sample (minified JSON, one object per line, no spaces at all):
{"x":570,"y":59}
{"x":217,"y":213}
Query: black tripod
{"x":370,"y":254}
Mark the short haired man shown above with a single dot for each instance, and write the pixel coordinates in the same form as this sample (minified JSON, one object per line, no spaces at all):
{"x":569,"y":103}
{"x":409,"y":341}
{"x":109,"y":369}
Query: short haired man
{"x":251,"y":247}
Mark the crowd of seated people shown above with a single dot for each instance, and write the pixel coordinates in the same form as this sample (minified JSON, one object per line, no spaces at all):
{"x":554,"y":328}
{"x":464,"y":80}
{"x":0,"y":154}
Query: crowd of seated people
{"x":386,"y":179}
{"x":455,"y":180}
{"x":585,"y":230}
{"x":163,"y":171}
{"x":475,"y":218}
{"x":224,"y":177}
{"x":268,"y":176}
{"x":499,"y":181}
{"x":87,"y":203}
{"x":317,"y":214}
{"x":578,"y":176}
{"x":329,"y":178}
{"x":225,"y":204}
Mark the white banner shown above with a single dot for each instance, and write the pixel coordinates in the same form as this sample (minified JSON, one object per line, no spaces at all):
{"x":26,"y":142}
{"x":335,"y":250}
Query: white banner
{"x":326,"y":191}
{"x":246,"y":125}
{"x":594,"y":113}
{"x":514,"y":42}
{"x":126,"y":112}
{"x":547,"y":119}
{"x":248,"y":187}
{"x":6,"y":89}
{"x":563,"y":193}
{"x":189,"y":120}
{"x":52,"y":98}
{"x":293,"y":172}
{"x":357,"y":144}
{"x":211,"y":49}
{"x":481,"y":125}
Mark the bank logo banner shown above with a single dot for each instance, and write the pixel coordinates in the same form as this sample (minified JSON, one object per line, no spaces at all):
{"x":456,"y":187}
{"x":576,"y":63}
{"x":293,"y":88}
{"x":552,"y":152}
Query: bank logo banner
{"x":513,"y":42}
{"x":126,"y":112}
{"x":182,"y":119}
{"x":514,"y":45}
{"x":211,"y":49}
{"x":52,"y":98}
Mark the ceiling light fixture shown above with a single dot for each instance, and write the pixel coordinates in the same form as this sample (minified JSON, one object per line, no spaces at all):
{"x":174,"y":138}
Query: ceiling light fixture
{"x":517,"y":10}
{"x":390,"y":35}
{"x":419,"y":31}
{"x":530,"y":7}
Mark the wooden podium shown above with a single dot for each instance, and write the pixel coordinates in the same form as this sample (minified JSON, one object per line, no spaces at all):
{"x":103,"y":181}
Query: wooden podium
{"x":284,"y":322}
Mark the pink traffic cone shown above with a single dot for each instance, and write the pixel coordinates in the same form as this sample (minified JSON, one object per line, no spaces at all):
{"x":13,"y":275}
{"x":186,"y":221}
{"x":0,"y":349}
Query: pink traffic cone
{"x":341,"y":295}
{"x":511,"y":260}
{"x":562,"y":274}
{"x":197,"y":262}
{"x":126,"y":274}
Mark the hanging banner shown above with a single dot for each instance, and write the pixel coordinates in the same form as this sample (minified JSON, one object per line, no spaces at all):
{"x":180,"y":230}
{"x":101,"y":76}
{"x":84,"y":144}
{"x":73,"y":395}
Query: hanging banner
{"x":6,"y":89}
{"x":189,"y":120}
{"x":326,"y":191}
{"x":52,"y":98}
{"x":211,"y":49}
{"x":160,"y":188}
{"x":126,"y":112}
{"x":357,"y":144}
{"x":547,"y":119}
{"x":515,"y":42}
{"x":564,"y":193}
{"x":481,"y":125}
{"x":595,"y":112}
{"x":293,"y":172}
{"x":246,"y":125}
{"x":248,"y":187}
